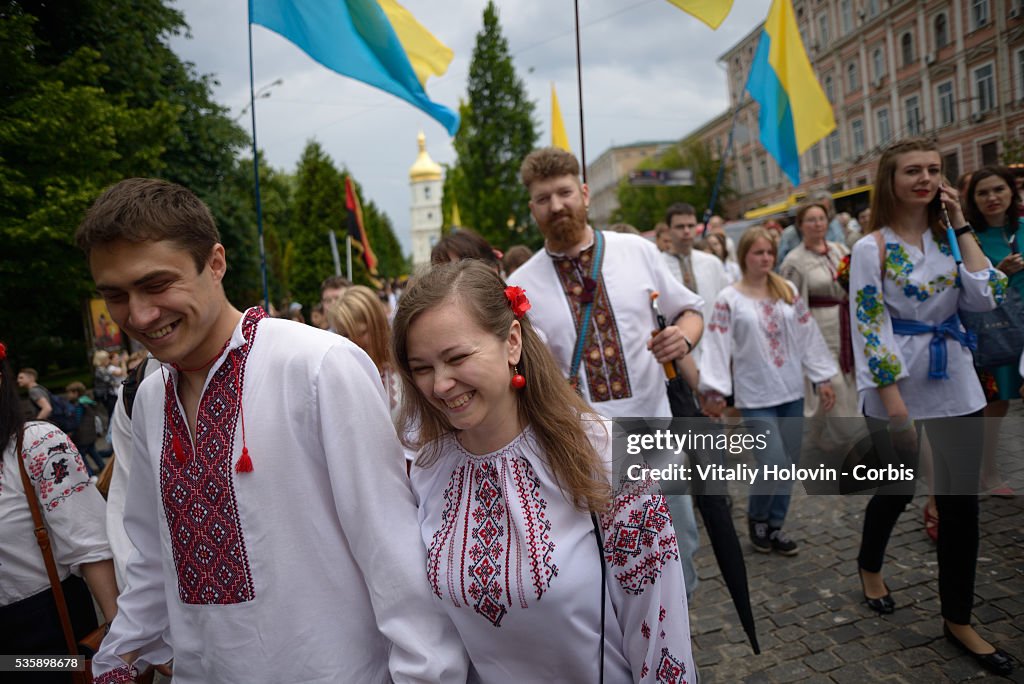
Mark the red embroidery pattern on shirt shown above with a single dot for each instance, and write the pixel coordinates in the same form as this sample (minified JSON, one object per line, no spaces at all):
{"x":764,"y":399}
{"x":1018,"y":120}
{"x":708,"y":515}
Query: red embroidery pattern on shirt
{"x":489,"y":557}
{"x":800,"y":310}
{"x":46,"y":462}
{"x":607,"y":375}
{"x":773,"y":326}
{"x":670,"y":670}
{"x":638,"y":537}
{"x":198,"y":493}
{"x":125,"y":673}
{"x":720,"y":318}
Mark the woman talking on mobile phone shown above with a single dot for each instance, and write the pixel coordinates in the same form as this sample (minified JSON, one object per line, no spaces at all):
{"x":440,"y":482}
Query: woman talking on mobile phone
{"x":914,"y":363}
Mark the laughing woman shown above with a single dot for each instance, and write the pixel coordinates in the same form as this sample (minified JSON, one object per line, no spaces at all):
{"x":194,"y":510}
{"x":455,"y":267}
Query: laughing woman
{"x":914,"y":364}
{"x":512,"y":481}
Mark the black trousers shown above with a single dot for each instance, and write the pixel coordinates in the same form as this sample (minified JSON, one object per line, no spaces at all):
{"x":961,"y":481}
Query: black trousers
{"x":956,"y":457}
{"x":32,"y":627}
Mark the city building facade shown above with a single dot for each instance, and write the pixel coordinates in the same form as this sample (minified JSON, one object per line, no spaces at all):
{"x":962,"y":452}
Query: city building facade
{"x":950,"y":70}
{"x":606,"y":172}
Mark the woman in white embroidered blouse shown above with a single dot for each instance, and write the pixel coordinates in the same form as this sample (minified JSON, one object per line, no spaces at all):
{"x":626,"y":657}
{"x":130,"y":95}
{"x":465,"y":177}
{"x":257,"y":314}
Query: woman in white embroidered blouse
{"x":512,"y":481}
{"x":72,"y":511}
{"x":914,"y":362}
{"x":759,"y":344}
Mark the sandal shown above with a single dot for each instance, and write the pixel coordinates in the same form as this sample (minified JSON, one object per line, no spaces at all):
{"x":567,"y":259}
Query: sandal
{"x":931,"y":524}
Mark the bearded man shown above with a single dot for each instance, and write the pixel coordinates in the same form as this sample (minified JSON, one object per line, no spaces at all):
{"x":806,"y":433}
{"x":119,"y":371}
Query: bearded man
{"x":598,"y":284}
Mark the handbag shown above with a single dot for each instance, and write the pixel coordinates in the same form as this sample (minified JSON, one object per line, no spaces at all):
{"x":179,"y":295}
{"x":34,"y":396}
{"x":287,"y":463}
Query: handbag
{"x":91,"y":642}
{"x":1000,"y":331}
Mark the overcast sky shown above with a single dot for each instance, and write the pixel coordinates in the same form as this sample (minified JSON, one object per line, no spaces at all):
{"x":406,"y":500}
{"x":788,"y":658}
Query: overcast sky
{"x":650,"y":72}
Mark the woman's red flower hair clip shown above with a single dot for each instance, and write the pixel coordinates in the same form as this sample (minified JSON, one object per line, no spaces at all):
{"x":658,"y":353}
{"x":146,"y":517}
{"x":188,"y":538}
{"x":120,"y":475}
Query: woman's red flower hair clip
{"x":3,"y":351}
{"x":516,"y":297}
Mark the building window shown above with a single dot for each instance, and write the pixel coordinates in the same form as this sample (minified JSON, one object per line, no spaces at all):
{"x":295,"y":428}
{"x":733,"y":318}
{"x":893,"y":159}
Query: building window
{"x":857,"y":129}
{"x":763,"y":163}
{"x":990,"y":154}
{"x":846,"y":16}
{"x":941,"y":32}
{"x":979,"y":13}
{"x":877,"y":64}
{"x":907,"y":48}
{"x":1020,"y":74}
{"x":816,"y":155}
{"x":852,"y":77}
{"x":873,"y":8}
{"x":951,"y":165}
{"x":426,"y":192}
{"x":750,"y":176}
{"x":835,"y":146}
{"x":946,"y":106}
{"x":884,"y":128}
{"x":823,"y":30}
{"x":830,"y":88}
{"x":985,"y":88}
{"x":912,"y":109}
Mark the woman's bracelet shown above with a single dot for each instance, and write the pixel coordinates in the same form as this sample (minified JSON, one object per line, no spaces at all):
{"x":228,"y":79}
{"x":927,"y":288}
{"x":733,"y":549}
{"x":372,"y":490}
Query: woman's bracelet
{"x":908,"y":424}
{"x":963,"y":231}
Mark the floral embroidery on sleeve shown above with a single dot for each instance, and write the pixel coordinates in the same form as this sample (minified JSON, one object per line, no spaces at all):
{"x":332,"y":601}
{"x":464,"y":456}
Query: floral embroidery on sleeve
{"x":998,"y":281}
{"x":125,"y":673}
{"x":52,"y":459}
{"x":720,"y":317}
{"x":639,"y":537}
{"x":884,"y":365}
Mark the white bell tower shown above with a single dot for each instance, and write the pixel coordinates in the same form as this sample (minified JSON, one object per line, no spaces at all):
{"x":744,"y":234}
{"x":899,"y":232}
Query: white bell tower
{"x":425,"y":176}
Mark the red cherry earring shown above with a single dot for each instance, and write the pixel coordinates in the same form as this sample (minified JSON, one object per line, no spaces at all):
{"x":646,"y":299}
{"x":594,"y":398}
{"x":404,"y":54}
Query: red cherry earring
{"x":518,"y":381}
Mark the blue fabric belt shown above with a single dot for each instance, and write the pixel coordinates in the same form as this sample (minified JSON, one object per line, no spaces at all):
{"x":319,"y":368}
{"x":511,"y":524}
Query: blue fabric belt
{"x":950,"y":327}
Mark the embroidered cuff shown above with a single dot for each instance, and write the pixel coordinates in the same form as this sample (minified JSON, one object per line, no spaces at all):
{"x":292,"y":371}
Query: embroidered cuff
{"x":125,"y":673}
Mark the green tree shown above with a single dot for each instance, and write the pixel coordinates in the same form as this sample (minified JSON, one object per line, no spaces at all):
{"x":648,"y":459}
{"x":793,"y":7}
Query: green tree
{"x":497,"y":132}
{"x":63,"y":137}
{"x":92,"y":94}
{"x":318,"y":207}
{"x":644,"y":207}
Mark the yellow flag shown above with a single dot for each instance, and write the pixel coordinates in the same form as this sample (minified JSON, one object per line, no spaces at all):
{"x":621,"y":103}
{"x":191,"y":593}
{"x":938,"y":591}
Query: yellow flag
{"x":558,"y":135}
{"x":428,"y":56}
{"x":711,"y":12}
{"x":456,"y":217}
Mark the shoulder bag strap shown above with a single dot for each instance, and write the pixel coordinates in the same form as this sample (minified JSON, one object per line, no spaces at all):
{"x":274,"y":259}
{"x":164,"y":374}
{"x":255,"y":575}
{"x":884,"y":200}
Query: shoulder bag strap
{"x":43,"y":539}
{"x":581,"y":334}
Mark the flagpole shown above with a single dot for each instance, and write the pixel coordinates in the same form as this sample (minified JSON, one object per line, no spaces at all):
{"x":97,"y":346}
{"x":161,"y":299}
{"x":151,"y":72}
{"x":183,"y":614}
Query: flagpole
{"x":579,"y":90}
{"x":709,"y":212}
{"x":348,"y":257}
{"x":256,"y":175}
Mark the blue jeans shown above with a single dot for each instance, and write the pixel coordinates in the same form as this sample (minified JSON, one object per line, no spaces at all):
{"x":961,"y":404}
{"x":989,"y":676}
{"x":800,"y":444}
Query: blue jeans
{"x":685,"y":523}
{"x":769,"y":501}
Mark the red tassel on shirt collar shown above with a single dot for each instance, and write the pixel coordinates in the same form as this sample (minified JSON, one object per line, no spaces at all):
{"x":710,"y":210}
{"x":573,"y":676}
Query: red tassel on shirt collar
{"x":244,"y":463}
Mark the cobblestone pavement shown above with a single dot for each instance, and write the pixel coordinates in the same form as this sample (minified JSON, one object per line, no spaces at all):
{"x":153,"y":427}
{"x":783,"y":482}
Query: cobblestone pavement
{"x":811,"y":620}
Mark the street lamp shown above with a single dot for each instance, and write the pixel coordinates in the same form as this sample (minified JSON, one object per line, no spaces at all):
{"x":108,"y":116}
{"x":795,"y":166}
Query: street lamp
{"x":261,"y":94}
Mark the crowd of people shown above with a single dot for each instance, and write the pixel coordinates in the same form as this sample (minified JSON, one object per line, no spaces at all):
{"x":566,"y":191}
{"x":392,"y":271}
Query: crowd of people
{"x":419,"y":485}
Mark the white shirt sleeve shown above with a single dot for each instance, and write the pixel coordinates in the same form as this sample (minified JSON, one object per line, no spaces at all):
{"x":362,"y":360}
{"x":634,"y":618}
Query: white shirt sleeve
{"x":716,"y":357}
{"x":366,"y":467}
{"x":817,"y":360}
{"x":142,"y":618}
{"x":982,"y":291}
{"x":878,"y":359}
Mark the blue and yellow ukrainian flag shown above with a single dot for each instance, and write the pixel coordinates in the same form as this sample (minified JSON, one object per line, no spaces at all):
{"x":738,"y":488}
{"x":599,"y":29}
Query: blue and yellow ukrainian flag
{"x":377,"y":42}
{"x":795,"y":113}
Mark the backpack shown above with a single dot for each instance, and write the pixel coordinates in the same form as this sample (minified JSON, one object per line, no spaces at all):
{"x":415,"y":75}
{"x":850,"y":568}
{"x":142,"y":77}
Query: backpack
{"x":65,"y":416}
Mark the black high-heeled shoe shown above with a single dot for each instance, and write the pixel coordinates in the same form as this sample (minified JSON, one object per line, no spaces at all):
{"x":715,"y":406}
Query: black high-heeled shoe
{"x":883,"y":605}
{"x":997,"y":662}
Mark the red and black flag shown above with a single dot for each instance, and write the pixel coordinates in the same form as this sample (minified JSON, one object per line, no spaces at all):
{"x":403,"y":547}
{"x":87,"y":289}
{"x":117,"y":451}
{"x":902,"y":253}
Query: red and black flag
{"x":356,"y":229}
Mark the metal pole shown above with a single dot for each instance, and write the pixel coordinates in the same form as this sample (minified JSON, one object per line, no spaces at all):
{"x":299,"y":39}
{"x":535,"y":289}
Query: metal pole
{"x":579,"y":91}
{"x":722,"y":164}
{"x":256,"y":178}
{"x":348,"y":257}
{"x":334,"y":252}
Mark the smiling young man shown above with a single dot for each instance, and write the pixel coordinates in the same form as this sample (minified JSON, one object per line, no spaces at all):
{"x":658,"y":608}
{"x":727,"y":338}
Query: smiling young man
{"x":621,"y":372}
{"x":276,"y":534}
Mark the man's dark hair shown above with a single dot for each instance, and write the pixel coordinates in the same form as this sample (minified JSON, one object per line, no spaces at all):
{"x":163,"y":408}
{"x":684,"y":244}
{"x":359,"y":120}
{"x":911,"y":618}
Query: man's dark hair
{"x":30,"y":371}
{"x":679,"y":208}
{"x":148,"y":209}
{"x":464,"y":244}
{"x":334,"y":282}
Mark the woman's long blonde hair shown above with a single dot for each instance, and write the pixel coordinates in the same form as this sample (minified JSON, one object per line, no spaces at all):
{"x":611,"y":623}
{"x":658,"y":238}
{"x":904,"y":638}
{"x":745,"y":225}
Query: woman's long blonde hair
{"x":778,"y":287}
{"x":359,"y":305}
{"x":547,"y":403}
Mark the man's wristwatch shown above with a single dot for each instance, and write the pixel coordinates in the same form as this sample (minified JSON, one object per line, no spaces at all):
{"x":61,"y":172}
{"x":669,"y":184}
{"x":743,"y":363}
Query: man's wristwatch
{"x":689,"y":344}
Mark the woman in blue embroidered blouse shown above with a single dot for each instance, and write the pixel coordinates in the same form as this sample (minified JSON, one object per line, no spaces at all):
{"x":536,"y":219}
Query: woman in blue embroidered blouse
{"x":914,"y":362}
{"x":992,"y":208}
